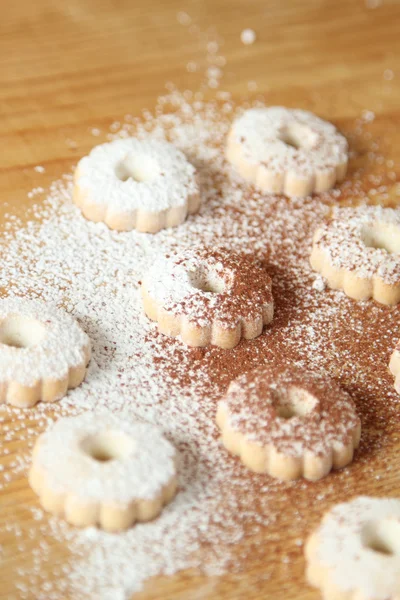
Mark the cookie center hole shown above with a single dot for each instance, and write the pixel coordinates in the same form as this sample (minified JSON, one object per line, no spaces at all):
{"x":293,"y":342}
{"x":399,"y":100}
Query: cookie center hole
{"x":382,"y":537}
{"x":383,"y":236}
{"x":210,"y":283}
{"x":141,"y":169}
{"x":294,"y":402}
{"x":107,"y":446}
{"x":298,"y":136}
{"x":19,"y":331}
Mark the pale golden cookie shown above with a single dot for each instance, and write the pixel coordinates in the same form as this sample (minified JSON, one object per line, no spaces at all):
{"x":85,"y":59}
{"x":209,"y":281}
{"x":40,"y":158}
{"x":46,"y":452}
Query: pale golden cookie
{"x":358,"y":251}
{"x":43,"y":352}
{"x":208,"y":297}
{"x":287,"y":151}
{"x":100,"y":469}
{"x":289,"y":423}
{"x":394,"y":367}
{"x":355,"y":552}
{"x":128,"y":184}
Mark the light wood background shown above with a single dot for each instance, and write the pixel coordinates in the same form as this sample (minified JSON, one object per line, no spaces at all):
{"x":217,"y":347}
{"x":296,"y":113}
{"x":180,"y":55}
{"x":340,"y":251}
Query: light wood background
{"x":66,"y":67}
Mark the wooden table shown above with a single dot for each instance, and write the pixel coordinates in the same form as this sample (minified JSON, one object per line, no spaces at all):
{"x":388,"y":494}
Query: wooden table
{"x":69,"y":67}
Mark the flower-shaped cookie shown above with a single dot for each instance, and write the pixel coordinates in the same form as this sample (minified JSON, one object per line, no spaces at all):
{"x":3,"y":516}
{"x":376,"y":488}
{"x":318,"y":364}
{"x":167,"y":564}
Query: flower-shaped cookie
{"x":289,"y":423}
{"x":43,"y":352}
{"x":208,"y":297}
{"x":359,"y":252}
{"x":355,"y":552}
{"x":136,"y":184}
{"x":100,"y":469}
{"x":285,"y":151}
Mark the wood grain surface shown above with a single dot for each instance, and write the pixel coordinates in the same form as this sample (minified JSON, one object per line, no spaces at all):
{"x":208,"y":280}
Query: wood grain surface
{"x":66,"y":67}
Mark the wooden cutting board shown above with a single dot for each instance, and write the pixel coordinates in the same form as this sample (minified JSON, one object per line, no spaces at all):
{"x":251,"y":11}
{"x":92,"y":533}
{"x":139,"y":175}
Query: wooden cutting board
{"x":69,"y":67}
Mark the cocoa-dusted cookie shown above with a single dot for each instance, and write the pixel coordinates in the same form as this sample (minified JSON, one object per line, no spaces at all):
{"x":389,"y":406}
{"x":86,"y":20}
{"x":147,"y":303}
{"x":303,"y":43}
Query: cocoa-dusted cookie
{"x":358,"y":251}
{"x":100,"y":469}
{"x":355,"y":552}
{"x":128,"y":184}
{"x":289,"y":423}
{"x":208,"y":297}
{"x":287,"y":151}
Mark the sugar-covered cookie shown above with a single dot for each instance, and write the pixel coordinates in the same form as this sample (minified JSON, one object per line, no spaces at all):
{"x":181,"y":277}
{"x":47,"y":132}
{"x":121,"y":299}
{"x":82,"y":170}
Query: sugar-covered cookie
{"x":289,"y":423}
{"x":358,"y":251}
{"x":43,"y":352}
{"x":394,"y":366}
{"x":355,"y":552}
{"x":208,"y":297}
{"x":136,"y":184}
{"x":101,"y":469}
{"x":287,"y":151}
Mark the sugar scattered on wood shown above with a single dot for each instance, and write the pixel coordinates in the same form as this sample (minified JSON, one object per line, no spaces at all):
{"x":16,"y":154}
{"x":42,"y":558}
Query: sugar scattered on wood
{"x":248,"y":37}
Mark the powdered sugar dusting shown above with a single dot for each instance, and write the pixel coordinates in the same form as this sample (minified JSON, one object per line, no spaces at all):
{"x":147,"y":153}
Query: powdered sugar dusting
{"x":242,"y":291}
{"x":364,"y":240}
{"x":95,"y":274}
{"x":64,"y":344}
{"x":248,"y":36}
{"x":140,"y":473}
{"x":253,"y":401}
{"x":289,"y":141}
{"x":164,"y":178}
{"x":343,"y":547}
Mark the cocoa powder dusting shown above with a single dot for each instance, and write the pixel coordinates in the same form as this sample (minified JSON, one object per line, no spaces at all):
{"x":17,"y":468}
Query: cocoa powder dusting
{"x":210,"y":286}
{"x":224,"y":518}
{"x":325,"y":418}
